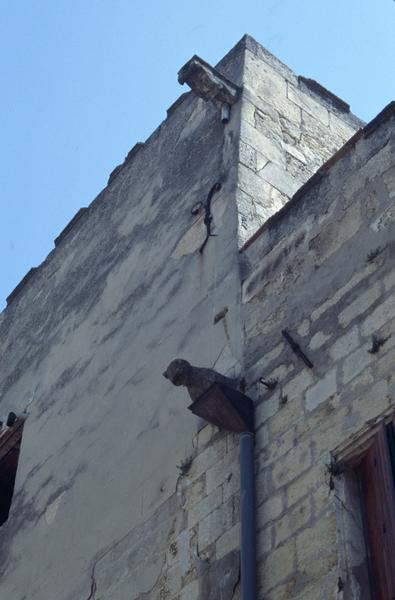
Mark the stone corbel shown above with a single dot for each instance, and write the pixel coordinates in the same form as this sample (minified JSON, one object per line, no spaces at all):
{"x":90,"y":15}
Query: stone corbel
{"x":210,"y":85}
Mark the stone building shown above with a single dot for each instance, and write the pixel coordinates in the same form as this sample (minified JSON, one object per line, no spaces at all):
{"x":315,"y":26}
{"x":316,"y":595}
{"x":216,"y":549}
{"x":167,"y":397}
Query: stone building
{"x":122,"y":493}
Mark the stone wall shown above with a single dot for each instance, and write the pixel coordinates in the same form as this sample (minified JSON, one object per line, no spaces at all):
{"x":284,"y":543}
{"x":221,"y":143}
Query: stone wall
{"x":121,"y":492}
{"x":193,"y":537}
{"x":323,"y":269}
{"x":287,"y":132}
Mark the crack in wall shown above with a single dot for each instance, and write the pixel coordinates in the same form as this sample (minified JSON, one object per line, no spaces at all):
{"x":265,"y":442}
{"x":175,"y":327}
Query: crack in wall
{"x":111,"y":547}
{"x":236,"y":585}
{"x":92,"y":595}
{"x":145,"y":595}
{"x":344,"y":507}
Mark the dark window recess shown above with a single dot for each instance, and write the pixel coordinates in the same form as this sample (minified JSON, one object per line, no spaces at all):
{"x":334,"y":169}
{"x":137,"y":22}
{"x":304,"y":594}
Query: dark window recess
{"x":377,"y":478}
{"x":10,"y":444}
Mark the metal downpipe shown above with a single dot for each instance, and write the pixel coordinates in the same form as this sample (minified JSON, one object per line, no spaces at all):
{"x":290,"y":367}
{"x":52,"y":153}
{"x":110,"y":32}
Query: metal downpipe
{"x":247,"y":517}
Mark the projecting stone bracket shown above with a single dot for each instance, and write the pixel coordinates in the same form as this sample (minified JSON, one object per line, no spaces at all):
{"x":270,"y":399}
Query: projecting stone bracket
{"x":208,"y":83}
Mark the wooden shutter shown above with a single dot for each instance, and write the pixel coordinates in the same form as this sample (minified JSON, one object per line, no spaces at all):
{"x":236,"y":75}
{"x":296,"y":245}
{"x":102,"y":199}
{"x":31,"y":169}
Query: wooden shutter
{"x":378,"y":491}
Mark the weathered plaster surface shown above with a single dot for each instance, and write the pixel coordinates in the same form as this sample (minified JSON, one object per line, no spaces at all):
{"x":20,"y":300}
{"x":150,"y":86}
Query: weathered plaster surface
{"x":84,"y":346}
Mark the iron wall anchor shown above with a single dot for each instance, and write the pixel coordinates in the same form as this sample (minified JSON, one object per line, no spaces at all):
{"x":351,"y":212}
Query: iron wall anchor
{"x":208,"y":217}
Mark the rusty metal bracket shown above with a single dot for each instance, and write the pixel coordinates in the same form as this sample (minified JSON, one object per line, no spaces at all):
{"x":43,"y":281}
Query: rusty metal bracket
{"x":270,"y":384}
{"x":207,"y":213}
{"x":297,"y":349}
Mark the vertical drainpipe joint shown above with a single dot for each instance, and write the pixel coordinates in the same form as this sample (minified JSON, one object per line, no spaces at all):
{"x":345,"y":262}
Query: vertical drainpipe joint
{"x":231,"y":410}
{"x":225,"y":113}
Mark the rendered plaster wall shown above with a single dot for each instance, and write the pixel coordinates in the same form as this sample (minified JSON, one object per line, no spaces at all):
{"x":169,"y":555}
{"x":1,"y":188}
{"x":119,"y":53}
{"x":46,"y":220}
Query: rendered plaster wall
{"x":99,"y":509}
{"x":287,"y":132}
{"x":324,"y":270}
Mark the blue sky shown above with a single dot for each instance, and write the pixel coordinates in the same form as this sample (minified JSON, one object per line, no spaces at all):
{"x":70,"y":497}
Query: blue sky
{"x":84,"y":80}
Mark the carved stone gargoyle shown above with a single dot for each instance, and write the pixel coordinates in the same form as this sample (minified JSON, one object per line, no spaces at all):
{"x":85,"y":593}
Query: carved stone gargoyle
{"x":197,"y":380}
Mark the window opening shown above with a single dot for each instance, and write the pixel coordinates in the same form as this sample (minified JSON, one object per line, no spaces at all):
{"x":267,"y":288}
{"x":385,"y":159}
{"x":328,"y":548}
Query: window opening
{"x":10,"y":445}
{"x":365,"y":505}
{"x":376,"y":473}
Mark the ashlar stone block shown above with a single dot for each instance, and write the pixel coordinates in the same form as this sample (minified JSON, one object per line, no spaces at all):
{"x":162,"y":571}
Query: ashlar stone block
{"x":280,"y":179}
{"x":345,"y":344}
{"x":291,"y":466}
{"x":277,"y":566}
{"x":269,"y":510}
{"x":316,"y":547}
{"x":356,"y":362}
{"x":205,"y":506}
{"x":383,"y":313}
{"x":359,"y":306}
{"x":322,"y":391}
{"x":293,"y":520}
{"x":311,"y":106}
{"x":215,"y":524}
